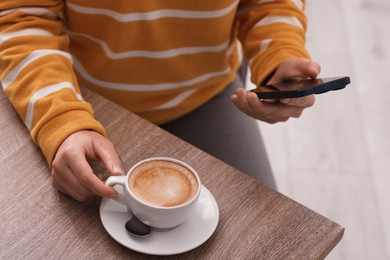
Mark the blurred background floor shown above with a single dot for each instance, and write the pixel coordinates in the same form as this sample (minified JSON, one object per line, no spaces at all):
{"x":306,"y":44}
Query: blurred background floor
{"x":335,"y":159}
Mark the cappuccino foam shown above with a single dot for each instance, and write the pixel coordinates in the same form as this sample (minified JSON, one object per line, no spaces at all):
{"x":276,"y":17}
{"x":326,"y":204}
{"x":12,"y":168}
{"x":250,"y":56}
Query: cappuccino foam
{"x":163,"y":183}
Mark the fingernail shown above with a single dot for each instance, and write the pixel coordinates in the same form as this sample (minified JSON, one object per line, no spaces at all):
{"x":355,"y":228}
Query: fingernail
{"x":117,"y":170}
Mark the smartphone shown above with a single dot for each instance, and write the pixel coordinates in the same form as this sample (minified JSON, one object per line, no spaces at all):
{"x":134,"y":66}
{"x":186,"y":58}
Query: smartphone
{"x":301,"y":88}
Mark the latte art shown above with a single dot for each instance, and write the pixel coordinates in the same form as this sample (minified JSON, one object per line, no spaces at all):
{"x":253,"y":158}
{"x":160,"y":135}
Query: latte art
{"x":163,"y":183}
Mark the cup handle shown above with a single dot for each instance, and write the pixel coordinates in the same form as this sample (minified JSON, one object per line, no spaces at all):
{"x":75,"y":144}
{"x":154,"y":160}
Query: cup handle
{"x":120,"y":180}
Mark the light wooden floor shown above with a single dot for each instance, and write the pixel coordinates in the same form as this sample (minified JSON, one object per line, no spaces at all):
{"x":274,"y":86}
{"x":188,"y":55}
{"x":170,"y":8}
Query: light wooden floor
{"x":335,"y":159}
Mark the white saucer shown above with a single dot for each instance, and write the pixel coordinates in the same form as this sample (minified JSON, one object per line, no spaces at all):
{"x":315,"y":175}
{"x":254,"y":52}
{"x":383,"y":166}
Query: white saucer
{"x":189,"y":235}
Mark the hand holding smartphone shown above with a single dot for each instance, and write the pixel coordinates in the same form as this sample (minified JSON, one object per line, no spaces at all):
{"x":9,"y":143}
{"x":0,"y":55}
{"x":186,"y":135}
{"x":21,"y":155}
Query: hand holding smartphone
{"x":301,"y":88}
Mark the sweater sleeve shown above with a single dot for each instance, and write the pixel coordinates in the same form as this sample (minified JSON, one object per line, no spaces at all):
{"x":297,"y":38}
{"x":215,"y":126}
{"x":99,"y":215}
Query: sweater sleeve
{"x":271,"y":32}
{"x":36,"y":73}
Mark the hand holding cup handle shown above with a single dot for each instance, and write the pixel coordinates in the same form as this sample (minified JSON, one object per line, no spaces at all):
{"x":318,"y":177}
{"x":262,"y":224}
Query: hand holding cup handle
{"x":118,"y":180}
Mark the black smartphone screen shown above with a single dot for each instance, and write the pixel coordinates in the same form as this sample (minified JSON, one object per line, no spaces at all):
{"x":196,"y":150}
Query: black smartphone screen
{"x":295,"y":89}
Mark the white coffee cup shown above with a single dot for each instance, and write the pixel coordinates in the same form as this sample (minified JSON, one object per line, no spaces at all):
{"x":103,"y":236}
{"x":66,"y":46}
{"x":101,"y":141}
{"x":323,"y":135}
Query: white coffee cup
{"x":160,"y":191}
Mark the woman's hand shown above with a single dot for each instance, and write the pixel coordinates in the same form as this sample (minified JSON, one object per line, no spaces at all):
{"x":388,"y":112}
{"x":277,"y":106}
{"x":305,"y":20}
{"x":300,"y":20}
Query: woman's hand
{"x":71,"y":172}
{"x":273,"y":111}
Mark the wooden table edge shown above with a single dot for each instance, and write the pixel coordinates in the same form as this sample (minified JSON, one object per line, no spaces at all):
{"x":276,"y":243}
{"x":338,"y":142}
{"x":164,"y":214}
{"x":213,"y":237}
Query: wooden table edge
{"x":333,"y":243}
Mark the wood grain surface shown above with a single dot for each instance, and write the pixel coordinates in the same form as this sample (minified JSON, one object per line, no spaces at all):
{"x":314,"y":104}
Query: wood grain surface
{"x":37,"y":222}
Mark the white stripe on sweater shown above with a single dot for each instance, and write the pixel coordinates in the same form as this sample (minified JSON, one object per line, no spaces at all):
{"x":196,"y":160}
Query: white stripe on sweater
{"x":279,"y":19}
{"x":27,"y":32}
{"x":264,"y":45}
{"x":43,"y":93}
{"x":145,"y":87}
{"x":35,"y":55}
{"x":151,"y":54}
{"x":29,"y":10}
{"x":176,"y":101}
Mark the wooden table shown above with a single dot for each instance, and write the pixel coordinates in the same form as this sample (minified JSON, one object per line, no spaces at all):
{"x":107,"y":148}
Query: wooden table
{"x":37,"y":222}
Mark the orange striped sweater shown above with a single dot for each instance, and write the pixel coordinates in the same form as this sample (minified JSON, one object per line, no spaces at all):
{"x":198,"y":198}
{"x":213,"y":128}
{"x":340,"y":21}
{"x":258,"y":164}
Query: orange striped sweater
{"x":158,"y":58}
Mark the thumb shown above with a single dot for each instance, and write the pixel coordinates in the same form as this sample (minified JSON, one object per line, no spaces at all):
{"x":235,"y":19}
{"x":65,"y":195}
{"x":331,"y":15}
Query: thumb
{"x":313,"y":69}
{"x":296,"y":68}
{"x":304,"y":68}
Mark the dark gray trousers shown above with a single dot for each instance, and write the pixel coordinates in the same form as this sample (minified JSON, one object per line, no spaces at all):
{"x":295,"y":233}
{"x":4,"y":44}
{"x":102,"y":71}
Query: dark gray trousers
{"x":223,"y":131}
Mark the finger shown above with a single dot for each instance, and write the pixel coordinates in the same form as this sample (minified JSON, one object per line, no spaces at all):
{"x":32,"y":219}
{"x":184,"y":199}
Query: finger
{"x":297,"y":113}
{"x":234,"y":99}
{"x":236,"y":102}
{"x":68,"y":184}
{"x":286,"y":112}
{"x":303,"y":68}
{"x":296,"y":69}
{"x":241,"y":94}
{"x":239,"y":99}
{"x":302,"y":102}
{"x":85,"y":176}
{"x":264,"y":111}
{"x":105,"y":151}
{"x":313,"y":69}
{"x":273,"y":113}
{"x":253,"y":102}
{"x":78,"y":193}
{"x":308,"y":68}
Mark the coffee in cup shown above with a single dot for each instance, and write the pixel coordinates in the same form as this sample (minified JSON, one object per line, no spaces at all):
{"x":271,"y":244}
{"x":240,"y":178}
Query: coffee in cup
{"x":163,"y":183}
{"x":161,"y":192}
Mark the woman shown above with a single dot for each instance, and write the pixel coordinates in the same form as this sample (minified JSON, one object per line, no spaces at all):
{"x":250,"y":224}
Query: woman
{"x":172,"y":62}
